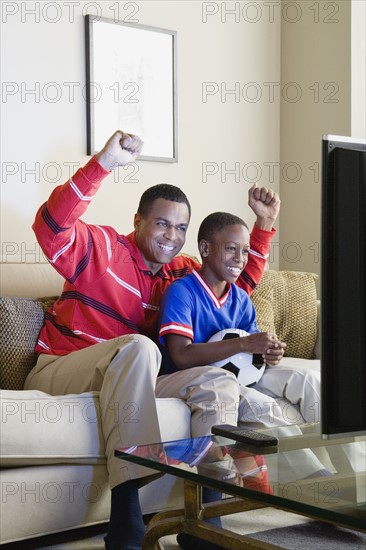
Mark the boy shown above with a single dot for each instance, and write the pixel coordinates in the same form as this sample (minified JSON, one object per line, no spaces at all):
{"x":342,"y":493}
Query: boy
{"x":207,"y":301}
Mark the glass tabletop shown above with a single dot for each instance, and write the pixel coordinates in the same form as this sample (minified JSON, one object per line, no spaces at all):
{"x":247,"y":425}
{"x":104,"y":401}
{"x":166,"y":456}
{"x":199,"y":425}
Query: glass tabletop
{"x":273,"y":475}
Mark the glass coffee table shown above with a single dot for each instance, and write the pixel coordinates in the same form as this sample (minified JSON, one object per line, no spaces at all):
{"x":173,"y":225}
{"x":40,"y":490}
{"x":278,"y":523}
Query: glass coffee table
{"x":256,"y":478}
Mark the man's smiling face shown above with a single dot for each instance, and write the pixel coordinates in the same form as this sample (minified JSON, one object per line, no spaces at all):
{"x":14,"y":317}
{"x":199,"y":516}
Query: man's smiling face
{"x":161,"y":234}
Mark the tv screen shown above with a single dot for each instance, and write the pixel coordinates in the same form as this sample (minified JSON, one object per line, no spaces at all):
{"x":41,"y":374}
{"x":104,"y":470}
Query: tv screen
{"x":343,"y":275}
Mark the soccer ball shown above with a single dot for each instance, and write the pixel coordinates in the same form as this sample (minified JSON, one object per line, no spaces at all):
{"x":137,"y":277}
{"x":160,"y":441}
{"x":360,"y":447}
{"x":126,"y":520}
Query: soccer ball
{"x":243,"y":365}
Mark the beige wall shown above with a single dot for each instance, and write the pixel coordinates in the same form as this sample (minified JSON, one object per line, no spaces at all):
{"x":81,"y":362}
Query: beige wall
{"x":324,"y":54}
{"x":239,"y":132}
{"x":289,"y":65}
{"x":316,"y":55}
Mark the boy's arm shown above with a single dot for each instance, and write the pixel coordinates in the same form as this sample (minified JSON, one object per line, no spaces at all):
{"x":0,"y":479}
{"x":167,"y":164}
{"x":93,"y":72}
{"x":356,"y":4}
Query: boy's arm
{"x":186,"y":354}
{"x":178,"y":310}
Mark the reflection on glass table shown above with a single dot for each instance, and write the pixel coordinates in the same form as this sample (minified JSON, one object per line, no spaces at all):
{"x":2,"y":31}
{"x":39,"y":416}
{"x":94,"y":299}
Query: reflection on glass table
{"x":253,"y":473}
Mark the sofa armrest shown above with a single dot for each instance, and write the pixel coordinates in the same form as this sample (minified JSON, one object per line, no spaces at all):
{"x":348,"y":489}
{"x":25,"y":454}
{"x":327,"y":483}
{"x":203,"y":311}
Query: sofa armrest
{"x":317,"y":348}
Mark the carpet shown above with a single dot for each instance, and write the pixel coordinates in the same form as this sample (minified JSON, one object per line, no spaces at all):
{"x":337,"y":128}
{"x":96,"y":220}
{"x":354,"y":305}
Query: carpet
{"x":291,"y":531}
{"x":313,"y":535}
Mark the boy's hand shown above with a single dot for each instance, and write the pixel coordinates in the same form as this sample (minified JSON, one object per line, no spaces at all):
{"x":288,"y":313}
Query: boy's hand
{"x":265,"y":343}
{"x":265,"y":204}
{"x":274,"y":354}
{"x":119,"y":150}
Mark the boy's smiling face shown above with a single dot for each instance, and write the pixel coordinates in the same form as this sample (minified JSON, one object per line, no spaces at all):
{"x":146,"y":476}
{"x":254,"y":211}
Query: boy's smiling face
{"x":225,"y":256}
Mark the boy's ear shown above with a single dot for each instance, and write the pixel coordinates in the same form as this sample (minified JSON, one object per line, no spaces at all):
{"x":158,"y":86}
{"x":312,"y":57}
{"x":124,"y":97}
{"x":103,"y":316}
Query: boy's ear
{"x":203,"y":248}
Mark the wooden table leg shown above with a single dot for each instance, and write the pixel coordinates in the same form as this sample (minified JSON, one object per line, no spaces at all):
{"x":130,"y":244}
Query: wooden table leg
{"x":161,"y":526}
{"x":191,"y":521}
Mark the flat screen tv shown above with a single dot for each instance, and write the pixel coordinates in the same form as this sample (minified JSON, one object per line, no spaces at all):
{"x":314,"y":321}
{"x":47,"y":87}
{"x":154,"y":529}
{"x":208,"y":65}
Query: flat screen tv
{"x":343,"y":283}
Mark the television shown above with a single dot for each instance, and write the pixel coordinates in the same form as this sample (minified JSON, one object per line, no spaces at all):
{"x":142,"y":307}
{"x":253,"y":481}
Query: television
{"x":343,"y":283}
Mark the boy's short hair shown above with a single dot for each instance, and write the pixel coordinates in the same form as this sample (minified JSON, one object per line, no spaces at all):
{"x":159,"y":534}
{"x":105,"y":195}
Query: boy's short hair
{"x":216,"y":221}
{"x":161,"y":191}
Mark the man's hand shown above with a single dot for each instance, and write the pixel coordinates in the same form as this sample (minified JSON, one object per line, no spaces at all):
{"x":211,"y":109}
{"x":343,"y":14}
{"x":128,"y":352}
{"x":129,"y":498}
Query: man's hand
{"x":265,"y":204}
{"x":119,"y":150}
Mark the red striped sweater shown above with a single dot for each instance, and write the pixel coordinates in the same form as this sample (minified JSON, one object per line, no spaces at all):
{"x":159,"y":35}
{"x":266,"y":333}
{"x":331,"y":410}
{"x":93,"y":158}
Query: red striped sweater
{"x":108,"y":290}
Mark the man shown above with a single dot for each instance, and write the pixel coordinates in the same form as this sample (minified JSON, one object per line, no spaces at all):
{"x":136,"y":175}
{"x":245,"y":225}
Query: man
{"x":99,"y":335}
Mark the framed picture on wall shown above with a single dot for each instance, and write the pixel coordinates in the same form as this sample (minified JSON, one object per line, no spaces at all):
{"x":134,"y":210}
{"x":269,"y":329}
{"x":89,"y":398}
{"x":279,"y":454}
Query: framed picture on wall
{"x":131,"y":85}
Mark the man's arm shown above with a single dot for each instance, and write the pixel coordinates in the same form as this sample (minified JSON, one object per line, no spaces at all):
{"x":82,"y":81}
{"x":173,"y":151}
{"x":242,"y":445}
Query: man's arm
{"x":119,"y":150}
{"x":265,"y":204}
{"x":67,"y":242}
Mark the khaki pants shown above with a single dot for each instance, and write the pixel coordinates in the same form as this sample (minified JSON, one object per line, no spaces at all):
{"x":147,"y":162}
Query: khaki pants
{"x":298,"y":386}
{"x":124,"y":370}
{"x":298,"y":389}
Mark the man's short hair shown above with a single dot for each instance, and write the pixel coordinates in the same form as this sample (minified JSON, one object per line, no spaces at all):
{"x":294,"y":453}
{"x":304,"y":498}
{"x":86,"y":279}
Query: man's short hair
{"x":161,"y":191}
{"x":216,"y":221}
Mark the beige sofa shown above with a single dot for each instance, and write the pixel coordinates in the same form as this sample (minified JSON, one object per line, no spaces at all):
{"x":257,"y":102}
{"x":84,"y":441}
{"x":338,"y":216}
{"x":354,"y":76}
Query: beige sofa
{"x":53,"y":471}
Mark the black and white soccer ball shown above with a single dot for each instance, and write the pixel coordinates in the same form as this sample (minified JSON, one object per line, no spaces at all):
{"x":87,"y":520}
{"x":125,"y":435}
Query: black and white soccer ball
{"x":247,"y":367}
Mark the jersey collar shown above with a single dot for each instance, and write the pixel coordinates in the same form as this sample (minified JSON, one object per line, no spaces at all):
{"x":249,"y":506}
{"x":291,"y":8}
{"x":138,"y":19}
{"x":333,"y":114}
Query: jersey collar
{"x":219,"y":302}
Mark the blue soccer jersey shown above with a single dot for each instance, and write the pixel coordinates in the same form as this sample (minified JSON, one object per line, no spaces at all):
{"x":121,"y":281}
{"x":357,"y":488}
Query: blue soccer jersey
{"x":190,"y":308}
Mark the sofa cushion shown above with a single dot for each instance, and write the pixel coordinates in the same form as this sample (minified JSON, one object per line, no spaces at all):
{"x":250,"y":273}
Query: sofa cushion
{"x":37,"y":428}
{"x":263,"y":302}
{"x":21,"y":320}
{"x":294,"y":309}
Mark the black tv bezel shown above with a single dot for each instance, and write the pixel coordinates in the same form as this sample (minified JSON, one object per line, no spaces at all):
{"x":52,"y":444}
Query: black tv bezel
{"x":336,"y":258}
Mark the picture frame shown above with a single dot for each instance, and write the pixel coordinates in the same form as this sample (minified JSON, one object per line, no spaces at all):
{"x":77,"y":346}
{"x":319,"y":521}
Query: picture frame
{"x":131,"y":85}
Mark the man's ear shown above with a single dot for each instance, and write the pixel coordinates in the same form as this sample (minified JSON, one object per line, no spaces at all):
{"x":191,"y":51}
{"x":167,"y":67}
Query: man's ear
{"x":203,"y":248}
{"x":136,"y":221}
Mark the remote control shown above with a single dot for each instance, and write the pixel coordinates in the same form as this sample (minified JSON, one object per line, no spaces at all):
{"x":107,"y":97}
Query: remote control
{"x":257,"y":439}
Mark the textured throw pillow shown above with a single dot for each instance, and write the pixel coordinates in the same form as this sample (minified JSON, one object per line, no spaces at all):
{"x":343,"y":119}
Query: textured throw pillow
{"x":262,"y":299}
{"x":294,"y":309}
{"x":21,"y":319}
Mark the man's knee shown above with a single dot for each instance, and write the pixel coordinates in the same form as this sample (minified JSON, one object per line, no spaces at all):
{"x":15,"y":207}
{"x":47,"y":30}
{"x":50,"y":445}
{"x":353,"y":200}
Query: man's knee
{"x":139,"y":342}
{"x":137,"y":351}
{"x":147,"y":347}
